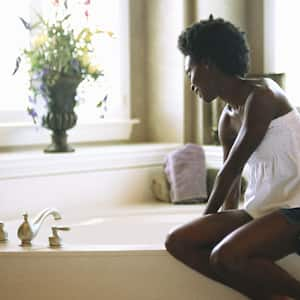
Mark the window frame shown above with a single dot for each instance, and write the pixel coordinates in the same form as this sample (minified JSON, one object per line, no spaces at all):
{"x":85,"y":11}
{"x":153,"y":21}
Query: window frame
{"x":278,"y":40}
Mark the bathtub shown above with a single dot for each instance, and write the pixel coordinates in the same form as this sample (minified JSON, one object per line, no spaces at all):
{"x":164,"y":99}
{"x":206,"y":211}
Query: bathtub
{"x":107,"y":258}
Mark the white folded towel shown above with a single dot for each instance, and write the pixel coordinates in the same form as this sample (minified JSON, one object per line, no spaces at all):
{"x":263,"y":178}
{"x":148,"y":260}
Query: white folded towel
{"x":186,"y":173}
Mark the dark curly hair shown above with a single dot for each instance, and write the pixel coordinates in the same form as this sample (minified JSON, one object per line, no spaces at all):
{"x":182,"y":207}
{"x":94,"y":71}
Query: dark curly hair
{"x":217,"y":41}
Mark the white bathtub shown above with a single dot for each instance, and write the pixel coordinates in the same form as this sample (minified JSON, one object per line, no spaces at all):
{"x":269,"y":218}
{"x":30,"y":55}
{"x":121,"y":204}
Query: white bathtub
{"x":109,"y":258}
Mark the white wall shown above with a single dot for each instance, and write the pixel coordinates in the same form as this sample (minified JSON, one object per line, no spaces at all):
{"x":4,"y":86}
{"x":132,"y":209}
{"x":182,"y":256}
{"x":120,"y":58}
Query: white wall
{"x":231,"y":10}
{"x":76,"y":195}
{"x":83,"y":184}
{"x":138,"y":69}
{"x":164,"y":64}
{"x":167,"y":117}
{"x":87,"y":183}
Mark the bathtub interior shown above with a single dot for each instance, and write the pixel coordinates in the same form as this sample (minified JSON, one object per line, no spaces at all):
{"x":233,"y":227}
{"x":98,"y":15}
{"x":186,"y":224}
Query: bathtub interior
{"x":140,"y":229}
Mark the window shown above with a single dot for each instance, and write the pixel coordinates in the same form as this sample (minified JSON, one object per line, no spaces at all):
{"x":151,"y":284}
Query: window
{"x":288,"y":45}
{"x":13,"y":38}
{"x":109,"y":15}
{"x":104,"y":15}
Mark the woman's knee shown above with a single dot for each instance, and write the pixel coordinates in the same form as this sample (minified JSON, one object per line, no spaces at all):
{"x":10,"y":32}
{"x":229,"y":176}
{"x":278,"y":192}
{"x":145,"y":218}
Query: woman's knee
{"x":224,"y":259}
{"x":174,"y":242}
{"x":178,"y":242}
{"x":204,"y":232}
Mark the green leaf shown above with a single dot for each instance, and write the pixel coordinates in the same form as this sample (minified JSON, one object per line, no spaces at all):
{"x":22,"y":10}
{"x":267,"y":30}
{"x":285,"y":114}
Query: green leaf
{"x":66,"y":18}
{"x":26,"y":24}
{"x":18,"y":61}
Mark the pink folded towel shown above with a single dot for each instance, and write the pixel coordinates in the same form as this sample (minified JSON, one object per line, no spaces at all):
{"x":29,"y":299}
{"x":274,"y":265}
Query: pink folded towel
{"x":186,"y":173}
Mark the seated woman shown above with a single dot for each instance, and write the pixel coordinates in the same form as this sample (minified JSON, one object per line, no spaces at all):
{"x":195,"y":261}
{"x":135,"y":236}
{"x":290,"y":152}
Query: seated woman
{"x":258,"y":126}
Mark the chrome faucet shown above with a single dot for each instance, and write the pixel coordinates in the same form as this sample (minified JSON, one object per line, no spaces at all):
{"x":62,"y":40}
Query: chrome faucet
{"x":28,"y":231}
{"x":3,"y":233}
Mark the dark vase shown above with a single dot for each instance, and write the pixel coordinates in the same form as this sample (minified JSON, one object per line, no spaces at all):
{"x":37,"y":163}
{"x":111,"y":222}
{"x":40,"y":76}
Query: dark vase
{"x":61,"y":116}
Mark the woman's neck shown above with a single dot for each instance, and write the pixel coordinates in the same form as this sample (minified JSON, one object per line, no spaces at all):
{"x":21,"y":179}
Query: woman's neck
{"x":235,"y":91}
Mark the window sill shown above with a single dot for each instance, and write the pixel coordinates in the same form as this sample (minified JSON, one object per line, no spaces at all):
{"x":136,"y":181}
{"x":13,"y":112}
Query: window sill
{"x":92,"y":158}
{"x":25,"y":134}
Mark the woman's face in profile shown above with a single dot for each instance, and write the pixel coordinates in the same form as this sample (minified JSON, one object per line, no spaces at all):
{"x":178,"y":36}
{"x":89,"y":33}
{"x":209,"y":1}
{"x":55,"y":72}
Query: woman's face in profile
{"x":200,"y":77}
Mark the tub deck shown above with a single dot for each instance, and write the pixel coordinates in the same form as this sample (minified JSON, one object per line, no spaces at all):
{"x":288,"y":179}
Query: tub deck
{"x":119,"y":256}
{"x":115,"y":256}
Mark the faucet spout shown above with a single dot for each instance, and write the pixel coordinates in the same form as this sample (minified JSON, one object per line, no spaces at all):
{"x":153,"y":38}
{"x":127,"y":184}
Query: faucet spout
{"x":40,"y":218}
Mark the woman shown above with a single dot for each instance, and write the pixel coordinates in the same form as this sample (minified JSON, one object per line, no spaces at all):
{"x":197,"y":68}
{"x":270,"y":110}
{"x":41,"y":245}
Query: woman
{"x":258,"y":126}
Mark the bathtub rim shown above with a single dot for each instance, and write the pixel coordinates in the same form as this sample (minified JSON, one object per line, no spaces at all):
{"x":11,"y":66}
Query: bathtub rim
{"x":82,"y":250}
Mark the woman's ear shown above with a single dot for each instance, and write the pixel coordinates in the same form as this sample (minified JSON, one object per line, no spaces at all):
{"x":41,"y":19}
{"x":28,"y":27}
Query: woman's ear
{"x":208,"y":64}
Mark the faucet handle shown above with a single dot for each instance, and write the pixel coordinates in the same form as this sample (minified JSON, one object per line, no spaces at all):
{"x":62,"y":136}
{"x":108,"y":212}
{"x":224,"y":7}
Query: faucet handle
{"x":55,"y":239}
{"x":3,"y":233}
{"x":25,"y":231}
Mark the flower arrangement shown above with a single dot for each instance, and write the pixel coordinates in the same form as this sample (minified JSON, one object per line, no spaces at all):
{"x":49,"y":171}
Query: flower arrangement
{"x":59,"y":49}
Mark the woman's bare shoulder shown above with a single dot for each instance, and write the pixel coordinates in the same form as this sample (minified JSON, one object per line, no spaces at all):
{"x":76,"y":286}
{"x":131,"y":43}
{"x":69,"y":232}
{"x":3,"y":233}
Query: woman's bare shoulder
{"x":226,"y":128}
{"x":268,"y":99}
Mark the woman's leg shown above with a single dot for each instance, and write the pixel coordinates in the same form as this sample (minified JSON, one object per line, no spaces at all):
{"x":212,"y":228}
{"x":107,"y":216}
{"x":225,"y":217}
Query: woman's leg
{"x":192,"y":243}
{"x":245,"y":258}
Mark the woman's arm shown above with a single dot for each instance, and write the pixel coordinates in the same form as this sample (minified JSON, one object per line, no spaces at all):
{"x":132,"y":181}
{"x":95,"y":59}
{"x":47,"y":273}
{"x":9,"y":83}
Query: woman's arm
{"x":259,"y":111}
{"x":227,"y":136}
{"x":234,"y":195}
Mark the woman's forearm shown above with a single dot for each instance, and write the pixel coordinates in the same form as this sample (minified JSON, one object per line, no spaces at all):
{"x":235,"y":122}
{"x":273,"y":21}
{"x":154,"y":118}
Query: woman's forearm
{"x":224,"y":184}
{"x":233,"y":197}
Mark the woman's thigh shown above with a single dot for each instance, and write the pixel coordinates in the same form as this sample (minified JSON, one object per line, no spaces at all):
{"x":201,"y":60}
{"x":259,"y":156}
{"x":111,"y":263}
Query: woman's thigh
{"x":271,"y":236}
{"x":208,"y":230}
